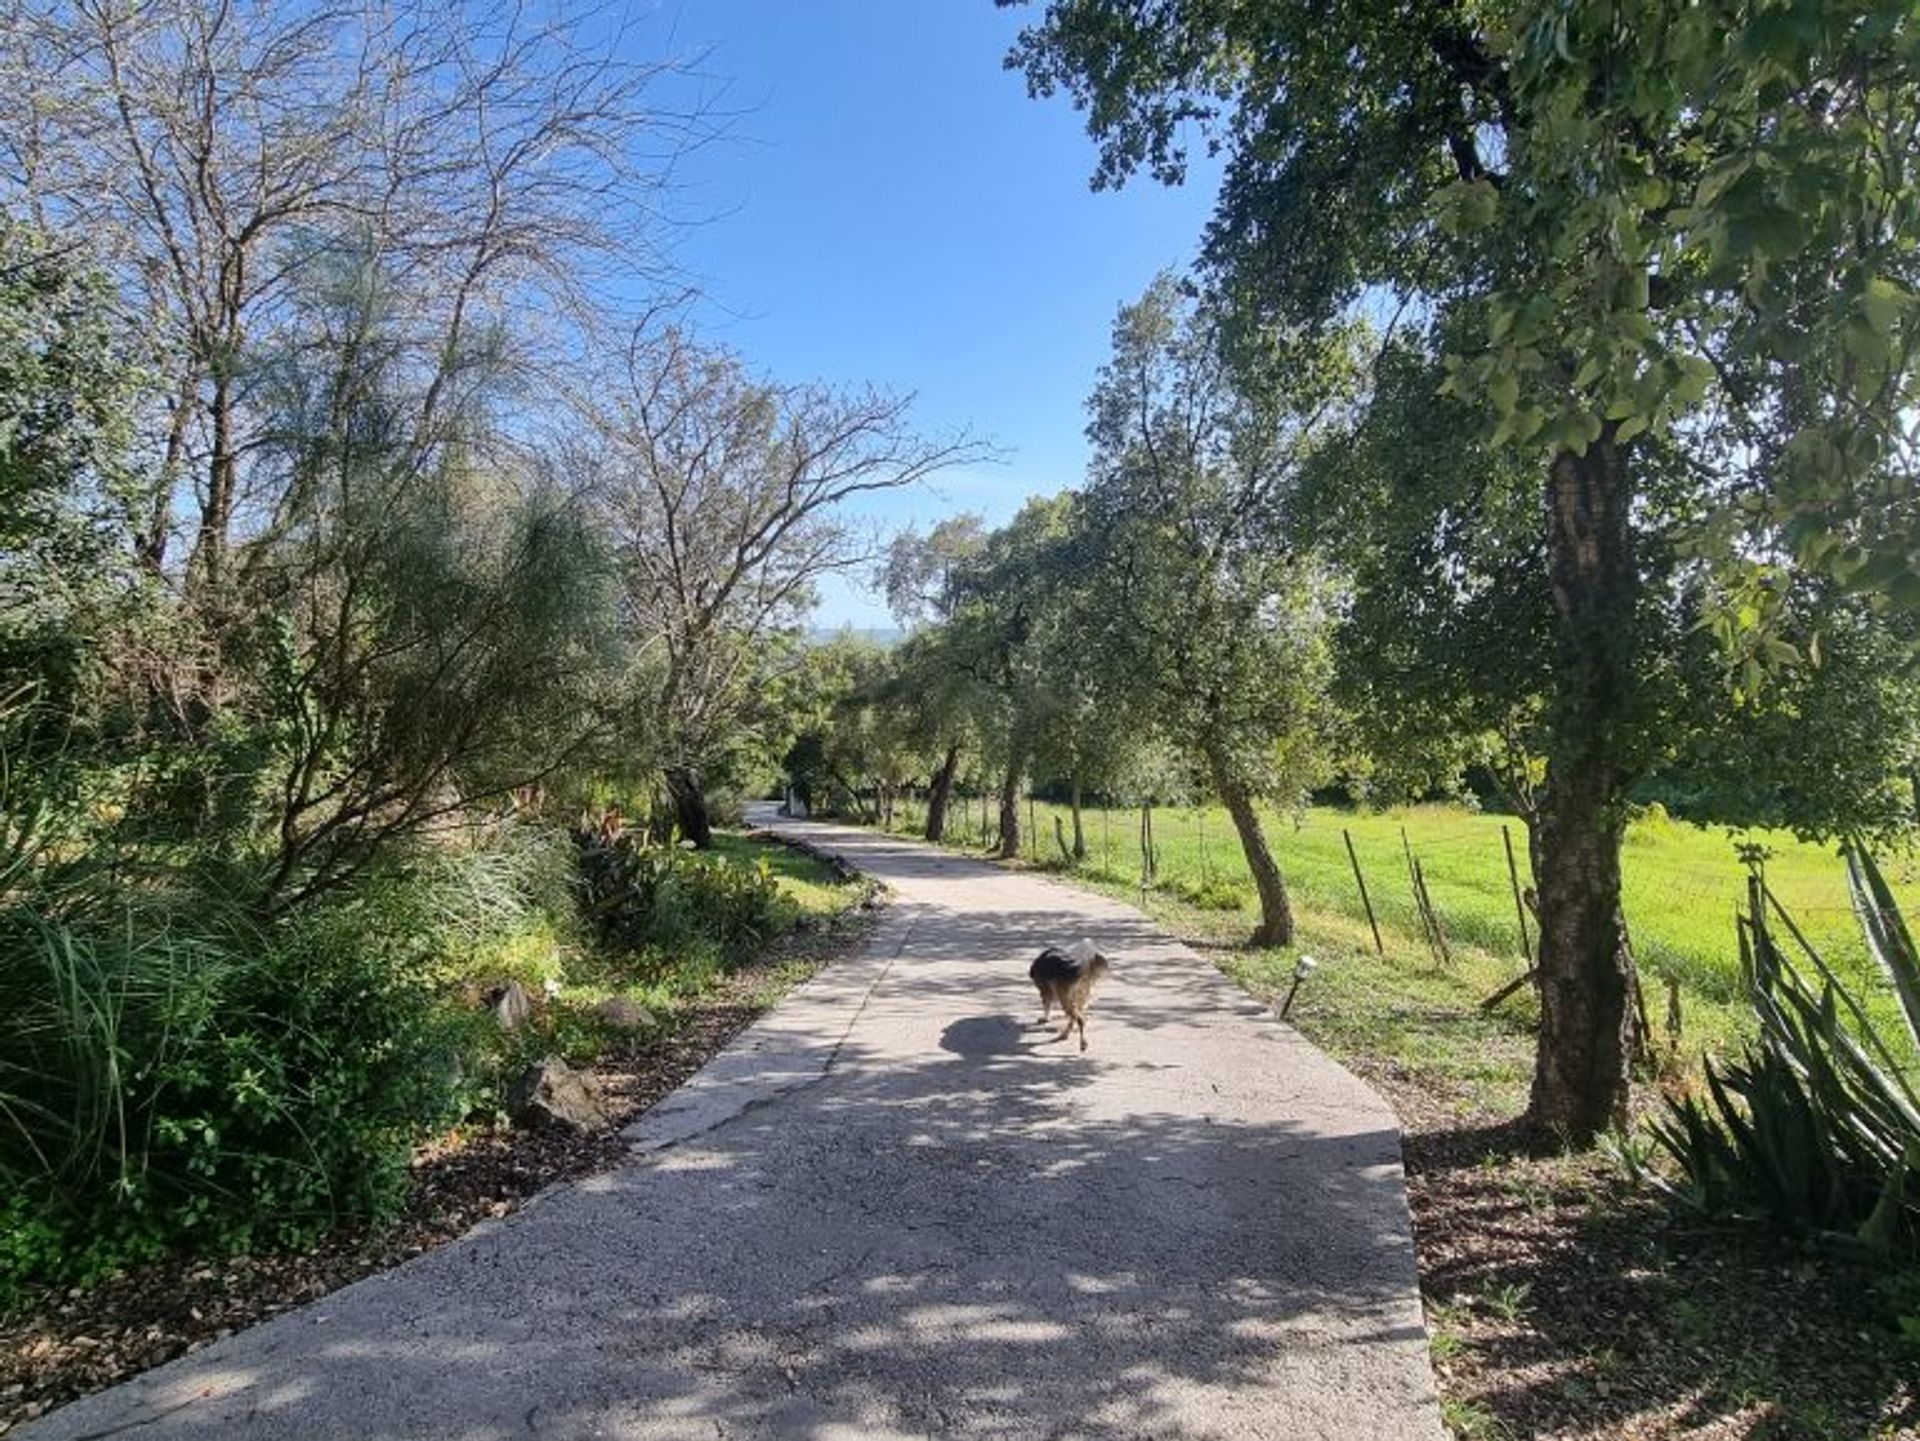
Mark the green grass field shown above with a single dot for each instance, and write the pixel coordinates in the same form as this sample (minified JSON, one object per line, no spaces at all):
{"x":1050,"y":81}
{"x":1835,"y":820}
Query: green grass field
{"x":1683,"y":884}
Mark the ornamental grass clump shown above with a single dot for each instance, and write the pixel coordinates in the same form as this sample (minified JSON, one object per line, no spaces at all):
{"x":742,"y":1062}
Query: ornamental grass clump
{"x":638,"y":894}
{"x":200,"y":1082}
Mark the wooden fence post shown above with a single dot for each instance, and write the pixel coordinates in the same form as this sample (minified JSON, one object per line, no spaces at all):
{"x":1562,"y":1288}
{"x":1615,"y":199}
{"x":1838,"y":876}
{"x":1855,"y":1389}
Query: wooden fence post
{"x":1432,"y":915}
{"x":1519,"y":905}
{"x":1418,"y":883}
{"x":1365,"y":900}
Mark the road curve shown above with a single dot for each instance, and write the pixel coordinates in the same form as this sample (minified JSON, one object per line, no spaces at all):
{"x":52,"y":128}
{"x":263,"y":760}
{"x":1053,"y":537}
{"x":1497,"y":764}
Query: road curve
{"x":892,"y":1208}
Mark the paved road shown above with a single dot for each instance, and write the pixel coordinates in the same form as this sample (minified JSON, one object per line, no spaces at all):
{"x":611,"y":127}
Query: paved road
{"x":892,"y":1209}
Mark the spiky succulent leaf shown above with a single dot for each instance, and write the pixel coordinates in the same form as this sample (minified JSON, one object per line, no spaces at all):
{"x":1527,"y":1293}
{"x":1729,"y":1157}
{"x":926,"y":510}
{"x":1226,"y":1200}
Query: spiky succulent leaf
{"x":1887,"y":935}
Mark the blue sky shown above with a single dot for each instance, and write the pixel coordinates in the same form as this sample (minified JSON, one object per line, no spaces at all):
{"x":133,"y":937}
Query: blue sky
{"x":890,"y":207}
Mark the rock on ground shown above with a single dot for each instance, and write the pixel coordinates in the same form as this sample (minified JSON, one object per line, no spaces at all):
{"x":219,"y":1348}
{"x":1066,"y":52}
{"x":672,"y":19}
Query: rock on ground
{"x":552,"y":1095}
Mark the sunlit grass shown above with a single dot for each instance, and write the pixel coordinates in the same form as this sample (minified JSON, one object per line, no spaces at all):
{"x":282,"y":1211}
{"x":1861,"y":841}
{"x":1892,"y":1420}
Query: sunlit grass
{"x":808,"y":885}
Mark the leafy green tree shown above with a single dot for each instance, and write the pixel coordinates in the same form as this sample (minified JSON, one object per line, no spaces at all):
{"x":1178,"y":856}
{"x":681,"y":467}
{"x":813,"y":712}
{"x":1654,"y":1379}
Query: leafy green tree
{"x":430,"y":625}
{"x":1000,"y":606}
{"x":846,"y":741}
{"x":1445,"y":638}
{"x":1005,"y":670}
{"x":1202,"y":605}
{"x":1829,"y":749}
{"x":1443,"y":650}
{"x":918,"y":575}
{"x":932,"y":684}
{"x":1655,"y":224}
{"x":941,"y":708}
{"x":1096,"y":722}
{"x":70,"y":476}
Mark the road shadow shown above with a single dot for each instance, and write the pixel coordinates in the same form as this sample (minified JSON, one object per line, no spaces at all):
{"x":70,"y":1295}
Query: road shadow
{"x":956,"y":1245}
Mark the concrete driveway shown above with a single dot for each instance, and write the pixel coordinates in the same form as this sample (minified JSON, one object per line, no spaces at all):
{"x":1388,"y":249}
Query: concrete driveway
{"x":893,"y":1209}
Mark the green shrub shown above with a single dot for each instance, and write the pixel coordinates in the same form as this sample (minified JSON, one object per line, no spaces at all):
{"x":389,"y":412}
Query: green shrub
{"x":639,"y":895}
{"x":205,"y":1083}
{"x":1816,"y":1125}
{"x":500,"y":906}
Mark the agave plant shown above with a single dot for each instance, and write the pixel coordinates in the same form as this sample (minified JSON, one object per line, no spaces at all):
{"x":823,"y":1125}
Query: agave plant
{"x":1817,"y":1124}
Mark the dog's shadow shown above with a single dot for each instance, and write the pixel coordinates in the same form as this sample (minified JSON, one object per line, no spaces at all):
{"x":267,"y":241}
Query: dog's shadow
{"x":980,"y":1036}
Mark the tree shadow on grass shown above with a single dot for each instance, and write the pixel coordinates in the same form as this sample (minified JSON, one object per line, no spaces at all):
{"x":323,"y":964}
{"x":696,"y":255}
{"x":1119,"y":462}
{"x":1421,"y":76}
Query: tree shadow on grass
{"x":1590,"y":1307}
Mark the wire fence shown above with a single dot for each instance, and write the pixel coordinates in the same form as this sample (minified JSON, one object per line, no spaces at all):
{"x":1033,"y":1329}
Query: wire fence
{"x":1682,"y":885}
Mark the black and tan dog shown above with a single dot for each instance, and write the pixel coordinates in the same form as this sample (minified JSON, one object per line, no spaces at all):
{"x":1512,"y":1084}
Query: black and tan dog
{"x":1067,"y":976}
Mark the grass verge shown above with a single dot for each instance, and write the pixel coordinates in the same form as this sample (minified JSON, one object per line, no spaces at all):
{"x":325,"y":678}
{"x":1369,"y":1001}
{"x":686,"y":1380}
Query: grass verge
{"x":1682,"y":884}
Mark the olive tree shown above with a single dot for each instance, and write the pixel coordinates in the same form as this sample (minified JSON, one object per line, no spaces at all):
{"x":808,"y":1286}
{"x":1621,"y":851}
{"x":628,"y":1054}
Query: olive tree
{"x":932,"y":683}
{"x":1203,"y":604}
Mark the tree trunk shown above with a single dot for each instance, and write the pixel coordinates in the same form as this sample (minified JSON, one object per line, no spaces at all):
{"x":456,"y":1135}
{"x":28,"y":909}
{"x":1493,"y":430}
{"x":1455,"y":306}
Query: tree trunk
{"x":1079,"y":826}
{"x":151,"y":545}
{"x":938,"y":796}
{"x":1586,"y":970}
{"x":1010,"y":812}
{"x":689,"y":807}
{"x":862,"y":812}
{"x":208,"y":563}
{"x":1276,"y":910}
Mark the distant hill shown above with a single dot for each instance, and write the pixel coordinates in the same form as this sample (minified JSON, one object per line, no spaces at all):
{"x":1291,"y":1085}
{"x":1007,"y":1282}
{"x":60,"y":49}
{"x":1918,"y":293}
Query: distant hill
{"x":884,"y":636}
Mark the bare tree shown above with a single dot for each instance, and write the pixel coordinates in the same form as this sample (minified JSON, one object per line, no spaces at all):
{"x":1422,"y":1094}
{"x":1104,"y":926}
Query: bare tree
{"x":494,"y":158}
{"x":727,"y":499}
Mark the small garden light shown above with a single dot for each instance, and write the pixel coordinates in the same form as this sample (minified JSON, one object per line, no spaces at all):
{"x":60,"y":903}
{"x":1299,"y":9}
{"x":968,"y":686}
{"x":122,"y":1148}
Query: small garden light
{"x":1302,"y":968}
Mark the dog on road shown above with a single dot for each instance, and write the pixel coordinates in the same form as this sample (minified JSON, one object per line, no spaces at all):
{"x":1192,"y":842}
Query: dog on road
{"x":1067,"y":976}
